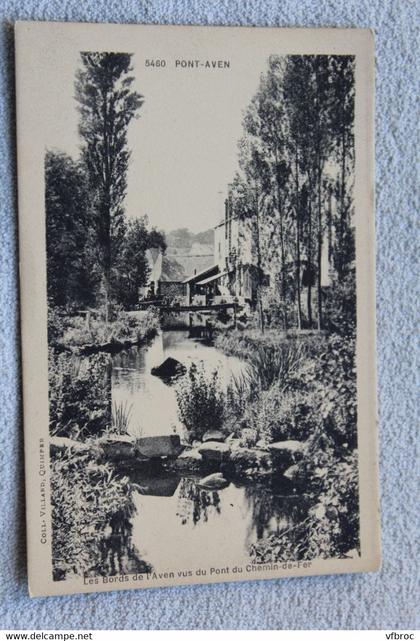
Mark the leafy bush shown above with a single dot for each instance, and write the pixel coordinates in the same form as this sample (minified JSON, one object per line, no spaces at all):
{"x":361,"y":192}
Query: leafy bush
{"x":57,"y":324}
{"x":86,"y":498}
{"x":281,"y":415}
{"x":340,"y":305}
{"x":334,"y":524}
{"x":331,"y":528}
{"x":201,"y":401}
{"x":95,"y":330}
{"x":79,"y":394}
{"x":332,"y":375}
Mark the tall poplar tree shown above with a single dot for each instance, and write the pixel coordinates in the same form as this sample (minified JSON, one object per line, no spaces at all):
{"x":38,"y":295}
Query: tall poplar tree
{"x":107,"y":104}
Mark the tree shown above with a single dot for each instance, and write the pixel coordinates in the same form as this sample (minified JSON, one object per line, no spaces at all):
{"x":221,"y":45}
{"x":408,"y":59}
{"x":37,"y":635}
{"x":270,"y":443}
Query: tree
{"x":70,"y":275}
{"x":342,"y":125}
{"x":297,"y":152}
{"x":309,"y":98}
{"x":131,"y":269}
{"x":107,"y":104}
{"x":265,"y":125}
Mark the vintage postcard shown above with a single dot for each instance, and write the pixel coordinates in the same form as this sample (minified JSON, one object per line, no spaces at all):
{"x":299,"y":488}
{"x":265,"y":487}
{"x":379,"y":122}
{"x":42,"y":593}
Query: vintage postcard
{"x":198,"y":303}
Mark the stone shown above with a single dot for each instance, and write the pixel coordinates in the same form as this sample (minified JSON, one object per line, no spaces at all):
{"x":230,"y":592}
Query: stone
{"x":214,"y":451}
{"x":262,"y":445}
{"x":286,"y":453}
{"x":160,"y":446}
{"x":118,"y":448}
{"x":213,"y":482}
{"x":61,"y":443}
{"x":249,"y":461}
{"x":291,"y":472}
{"x":189,"y":460}
{"x":213,"y":435}
{"x":169,"y":370}
{"x":286,"y":446}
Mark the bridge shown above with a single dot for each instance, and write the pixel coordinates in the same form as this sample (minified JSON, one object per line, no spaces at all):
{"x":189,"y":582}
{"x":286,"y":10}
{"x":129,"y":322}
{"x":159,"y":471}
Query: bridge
{"x":188,"y":308}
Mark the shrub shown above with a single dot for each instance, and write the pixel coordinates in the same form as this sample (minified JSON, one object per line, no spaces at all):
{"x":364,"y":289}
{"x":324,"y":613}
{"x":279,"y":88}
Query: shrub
{"x":79,"y":394}
{"x":333,"y":377}
{"x":279,"y":415}
{"x":334,"y":524}
{"x":277,"y":364}
{"x":340,"y":305}
{"x":80,"y":331}
{"x":86,"y":498}
{"x":57,"y":324}
{"x":201,"y":401}
{"x":331,"y":528}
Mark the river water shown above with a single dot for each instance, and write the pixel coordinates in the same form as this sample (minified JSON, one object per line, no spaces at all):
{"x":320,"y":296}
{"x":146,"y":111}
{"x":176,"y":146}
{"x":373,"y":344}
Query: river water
{"x":177,"y":524}
{"x":152,"y":403}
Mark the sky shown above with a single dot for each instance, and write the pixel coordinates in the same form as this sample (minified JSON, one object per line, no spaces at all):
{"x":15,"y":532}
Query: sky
{"x":183,"y":145}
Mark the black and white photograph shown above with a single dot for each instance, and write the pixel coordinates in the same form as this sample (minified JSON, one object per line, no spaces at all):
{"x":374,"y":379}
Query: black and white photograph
{"x":201,"y":306}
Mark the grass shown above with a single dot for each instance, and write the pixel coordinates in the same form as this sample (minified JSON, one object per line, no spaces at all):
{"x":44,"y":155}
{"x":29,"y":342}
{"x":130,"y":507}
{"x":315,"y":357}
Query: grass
{"x":78,"y":332}
{"x":121,"y":416}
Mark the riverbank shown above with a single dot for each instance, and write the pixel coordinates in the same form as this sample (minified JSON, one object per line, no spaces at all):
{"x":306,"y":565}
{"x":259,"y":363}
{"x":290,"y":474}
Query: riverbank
{"x":249,"y":409}
{"x":302,"y":388}
{"x":91,"y":333}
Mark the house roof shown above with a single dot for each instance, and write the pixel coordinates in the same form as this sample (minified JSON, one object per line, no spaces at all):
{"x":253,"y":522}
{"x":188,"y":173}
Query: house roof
{"x":210,"y":279}
{"x":172,"y":270}
{"x":205,"y":272}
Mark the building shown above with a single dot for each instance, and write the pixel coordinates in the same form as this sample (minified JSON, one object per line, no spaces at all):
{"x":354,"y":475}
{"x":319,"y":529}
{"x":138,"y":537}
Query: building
{"x":166,"y":276}
{"x":235,"y":253}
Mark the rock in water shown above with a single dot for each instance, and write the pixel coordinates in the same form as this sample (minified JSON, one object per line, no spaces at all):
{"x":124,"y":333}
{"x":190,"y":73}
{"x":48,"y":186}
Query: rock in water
{"x":119,"y":448}
{"x":214,"y":451}
{"x":190,"y":459}
{"x":287,"y":446}
{"x":213,"y":482}
{"x":160,"y":446}
{"x":286,"y":453}
{"x":214,"y":435}
{"x":292,"y":472}
{"x":169,"y":370}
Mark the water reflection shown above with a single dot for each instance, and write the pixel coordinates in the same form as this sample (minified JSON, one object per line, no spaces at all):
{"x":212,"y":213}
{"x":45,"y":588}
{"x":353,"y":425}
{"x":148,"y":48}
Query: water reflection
{"x":195,"y":504}
{"x":177,"y":524}
{"x":196,"y":526}
{"x":118,"y":554}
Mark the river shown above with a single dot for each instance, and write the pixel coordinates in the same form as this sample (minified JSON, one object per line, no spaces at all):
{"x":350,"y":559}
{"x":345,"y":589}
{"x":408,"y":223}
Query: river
{"x":152,"y":403}
{"x":177,"y":524}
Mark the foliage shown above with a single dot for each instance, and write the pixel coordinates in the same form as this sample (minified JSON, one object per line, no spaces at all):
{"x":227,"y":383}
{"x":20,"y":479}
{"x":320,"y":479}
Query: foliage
{"x":334,"y":526}
{"x":296,"y":159}
{"x":86,"y":497}
{"x":71,"y":273}
{"x":331,"y":528}
{"x":130,"y":267}
{"x":280,"y":415}
{"x":107,"y":104}
{"x":333,"y":377}
{"x":277,"y":364}
{"x":79,"y":394}
{"x":201,"y":401}
{"x":57,"y":323}
{"x":96,"y":330}
{"x":121,"y":417}
{"x":340,"y":305}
